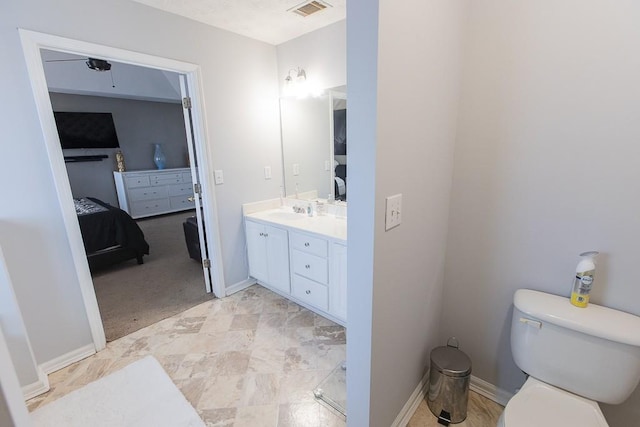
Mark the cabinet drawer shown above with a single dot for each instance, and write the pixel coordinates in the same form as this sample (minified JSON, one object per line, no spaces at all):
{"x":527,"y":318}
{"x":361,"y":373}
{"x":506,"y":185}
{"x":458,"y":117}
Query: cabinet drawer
{"x":181,"y":202}
{"x":312,"y":245}
{"x":310,"y":266}
{"x":137,"y":181}
{"x":147,"y":193}
{"x":149,"y":207}
{"x":310,"y":292}
{"x":179,"y":189}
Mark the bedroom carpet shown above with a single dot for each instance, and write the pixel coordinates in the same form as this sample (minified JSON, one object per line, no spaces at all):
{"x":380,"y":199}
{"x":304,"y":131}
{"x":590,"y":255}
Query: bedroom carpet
{"x":132,"y":296}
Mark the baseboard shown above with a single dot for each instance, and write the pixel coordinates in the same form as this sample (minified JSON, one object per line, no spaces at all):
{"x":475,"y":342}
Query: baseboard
{"x":237,"y":287}
{"x":412,"y":404}
{"x":489,"y":390}
{"x":67,"y":359}
{"x":37,"y":388}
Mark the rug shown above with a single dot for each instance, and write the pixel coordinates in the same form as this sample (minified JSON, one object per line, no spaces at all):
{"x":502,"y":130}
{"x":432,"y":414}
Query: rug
{"x":140,"y":395}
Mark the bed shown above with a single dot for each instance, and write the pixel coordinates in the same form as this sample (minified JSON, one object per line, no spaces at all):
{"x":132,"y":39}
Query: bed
{"x":109,"y":234}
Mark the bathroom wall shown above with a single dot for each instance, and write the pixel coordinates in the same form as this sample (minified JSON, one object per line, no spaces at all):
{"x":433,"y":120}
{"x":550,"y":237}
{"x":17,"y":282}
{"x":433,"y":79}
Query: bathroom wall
{"x":546,"y":166}
{"x":322,"y":53}
{"x":402,"y":129}
{"x":240,"y":91}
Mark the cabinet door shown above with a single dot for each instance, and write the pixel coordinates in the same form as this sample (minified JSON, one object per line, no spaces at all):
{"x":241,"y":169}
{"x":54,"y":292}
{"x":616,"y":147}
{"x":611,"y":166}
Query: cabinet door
{"x":338,"y":292}
{"x":256,"y":249}
{"x":278,"y":258}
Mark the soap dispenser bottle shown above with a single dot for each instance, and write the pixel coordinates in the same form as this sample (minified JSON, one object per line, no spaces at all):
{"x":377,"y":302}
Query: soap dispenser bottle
{"x":583,"y":281}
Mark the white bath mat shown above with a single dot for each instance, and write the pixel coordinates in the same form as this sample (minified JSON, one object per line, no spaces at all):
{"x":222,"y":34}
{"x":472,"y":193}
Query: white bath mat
{"x":140,"y":395}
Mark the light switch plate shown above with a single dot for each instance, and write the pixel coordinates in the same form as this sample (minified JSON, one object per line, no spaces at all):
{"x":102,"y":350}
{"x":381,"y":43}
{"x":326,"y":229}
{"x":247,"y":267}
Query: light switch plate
{"x":219,"y":178}
{"x":267,"y":172}
{"x":327,"y":165}
{"x":296,"y":169}
{"x":393,"y":216}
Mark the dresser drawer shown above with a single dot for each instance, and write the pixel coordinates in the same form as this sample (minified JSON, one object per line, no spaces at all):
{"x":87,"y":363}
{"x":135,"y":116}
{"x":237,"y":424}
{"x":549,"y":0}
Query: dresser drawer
{"x":147,"y":193}
{"x":149,"y":207}
{"x":312,"y":245}
{"x":310,"y":292}
{"x":135,"y":181}
{"x":181,"y":202}
{"x":180,"y":189}
{"x":310,"y":266}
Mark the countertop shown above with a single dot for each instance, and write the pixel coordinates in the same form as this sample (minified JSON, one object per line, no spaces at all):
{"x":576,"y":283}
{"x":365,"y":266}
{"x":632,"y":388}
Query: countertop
{"x":325,"y":225}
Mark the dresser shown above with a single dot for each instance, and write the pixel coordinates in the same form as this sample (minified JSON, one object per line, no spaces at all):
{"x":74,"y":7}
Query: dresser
{"x":154,"y":192}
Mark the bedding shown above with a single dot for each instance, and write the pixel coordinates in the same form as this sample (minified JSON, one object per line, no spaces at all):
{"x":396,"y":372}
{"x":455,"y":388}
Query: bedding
{"x":108,"y":231}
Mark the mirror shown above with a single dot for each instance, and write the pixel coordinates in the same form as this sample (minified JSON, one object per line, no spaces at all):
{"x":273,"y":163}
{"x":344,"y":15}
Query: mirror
{"x":314,"y":145}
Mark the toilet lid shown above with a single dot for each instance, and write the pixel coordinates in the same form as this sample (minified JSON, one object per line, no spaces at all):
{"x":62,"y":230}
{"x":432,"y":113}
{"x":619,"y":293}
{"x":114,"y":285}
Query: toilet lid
{"x":543,"y":405}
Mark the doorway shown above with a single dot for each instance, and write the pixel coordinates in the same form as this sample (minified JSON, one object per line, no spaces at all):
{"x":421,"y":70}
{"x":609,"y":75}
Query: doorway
{"x":204,"y":199}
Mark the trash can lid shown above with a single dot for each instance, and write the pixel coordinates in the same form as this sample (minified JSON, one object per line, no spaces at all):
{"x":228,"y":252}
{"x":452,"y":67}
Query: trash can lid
{"x":451,"y":361}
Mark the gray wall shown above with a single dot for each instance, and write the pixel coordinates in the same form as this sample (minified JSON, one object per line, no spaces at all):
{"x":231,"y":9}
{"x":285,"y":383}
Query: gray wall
{"x":402,"y":128}
{"x":546,"y":166}
{"x":139,"y":124}
{"x":240,"y":90}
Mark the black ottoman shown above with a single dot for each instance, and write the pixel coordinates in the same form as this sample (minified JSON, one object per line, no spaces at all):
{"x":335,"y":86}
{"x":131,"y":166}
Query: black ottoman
{"x":191,"y":237}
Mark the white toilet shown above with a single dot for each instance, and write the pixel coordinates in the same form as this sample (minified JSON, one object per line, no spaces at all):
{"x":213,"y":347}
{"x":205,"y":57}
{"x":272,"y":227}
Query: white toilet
{"x":575,"y":357}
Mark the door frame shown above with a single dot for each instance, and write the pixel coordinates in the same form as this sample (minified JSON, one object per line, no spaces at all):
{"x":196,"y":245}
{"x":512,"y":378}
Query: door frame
{"x":32,"y":42}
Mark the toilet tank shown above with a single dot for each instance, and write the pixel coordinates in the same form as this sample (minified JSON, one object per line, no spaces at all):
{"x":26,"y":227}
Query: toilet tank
{"x":593,"y":352}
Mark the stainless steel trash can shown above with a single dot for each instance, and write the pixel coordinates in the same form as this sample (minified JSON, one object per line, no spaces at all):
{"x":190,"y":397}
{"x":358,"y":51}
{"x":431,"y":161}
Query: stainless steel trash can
{"x":449,"y":376}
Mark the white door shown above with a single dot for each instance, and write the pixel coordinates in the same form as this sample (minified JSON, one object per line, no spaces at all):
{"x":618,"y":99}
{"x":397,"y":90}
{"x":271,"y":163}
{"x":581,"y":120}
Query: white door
{"x":278,"y":258}
{"x":257,"y":252}
{"x":197,"y":183}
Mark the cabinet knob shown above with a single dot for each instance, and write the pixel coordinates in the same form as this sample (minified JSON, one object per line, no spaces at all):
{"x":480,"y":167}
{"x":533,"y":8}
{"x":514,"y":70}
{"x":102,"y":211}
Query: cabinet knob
{"x":266,"y":234}
{"x":307,"y":266}
{"x":306,"y":244}
{"x":308,"y":292}
{"x":261,"y":234}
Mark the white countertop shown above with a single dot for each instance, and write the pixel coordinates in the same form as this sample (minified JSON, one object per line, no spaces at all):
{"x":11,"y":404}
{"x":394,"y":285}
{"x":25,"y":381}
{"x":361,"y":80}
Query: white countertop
{"x":325,"y":225}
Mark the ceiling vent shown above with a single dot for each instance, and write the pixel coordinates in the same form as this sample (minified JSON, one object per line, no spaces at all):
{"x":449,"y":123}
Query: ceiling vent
{"x":308,"y":8}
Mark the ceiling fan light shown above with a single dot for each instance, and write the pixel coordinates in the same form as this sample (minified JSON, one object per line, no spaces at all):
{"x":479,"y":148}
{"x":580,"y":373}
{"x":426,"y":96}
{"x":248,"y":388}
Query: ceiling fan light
{"x":98,"y":64}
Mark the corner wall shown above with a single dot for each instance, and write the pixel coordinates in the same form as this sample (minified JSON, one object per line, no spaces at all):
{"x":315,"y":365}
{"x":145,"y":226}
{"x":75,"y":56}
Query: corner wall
{"x":406,"y":145}
{"x":546,"y":167}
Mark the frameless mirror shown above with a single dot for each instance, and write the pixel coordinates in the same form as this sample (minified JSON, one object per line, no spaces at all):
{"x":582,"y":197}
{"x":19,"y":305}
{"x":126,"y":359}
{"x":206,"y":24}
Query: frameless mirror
{"x":314,"y":145}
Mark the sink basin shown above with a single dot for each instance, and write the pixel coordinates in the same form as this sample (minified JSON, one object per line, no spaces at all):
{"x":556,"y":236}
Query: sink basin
{"x":286,"y":216}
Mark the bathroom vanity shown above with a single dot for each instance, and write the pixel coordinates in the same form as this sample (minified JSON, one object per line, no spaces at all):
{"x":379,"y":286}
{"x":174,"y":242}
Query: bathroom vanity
{"x":301,"y":257}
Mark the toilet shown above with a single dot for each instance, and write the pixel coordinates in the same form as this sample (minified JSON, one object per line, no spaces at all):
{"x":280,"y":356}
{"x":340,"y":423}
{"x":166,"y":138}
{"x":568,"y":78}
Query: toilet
{"x":574,"y":358}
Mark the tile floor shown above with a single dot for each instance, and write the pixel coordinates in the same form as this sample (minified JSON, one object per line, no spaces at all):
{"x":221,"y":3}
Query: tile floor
{"x":481,"y":412}
{"x":252,"y":359}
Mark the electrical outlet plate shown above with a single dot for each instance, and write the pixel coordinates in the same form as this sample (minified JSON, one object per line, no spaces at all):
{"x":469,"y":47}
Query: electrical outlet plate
{"x":267,"y":172}
{"x":296,"y":169}
{"x":393,"y":216}
{"x":219,"y":178}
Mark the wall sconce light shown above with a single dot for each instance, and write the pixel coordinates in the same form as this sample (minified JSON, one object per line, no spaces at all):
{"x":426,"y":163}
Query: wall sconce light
{"x":297,"y":84}
{"x":300,"y":76}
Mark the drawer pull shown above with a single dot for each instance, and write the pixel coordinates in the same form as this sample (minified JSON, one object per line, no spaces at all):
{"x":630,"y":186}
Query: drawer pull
{"x":306,"y":244}
{"x":307,"y":266}
{"x":308,"y":291}
{"x":266,"y":234}
{"x":261,"y":234}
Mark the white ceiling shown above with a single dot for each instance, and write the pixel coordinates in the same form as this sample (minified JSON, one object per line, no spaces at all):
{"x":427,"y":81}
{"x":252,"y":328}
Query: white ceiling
{"x":266,"y":20}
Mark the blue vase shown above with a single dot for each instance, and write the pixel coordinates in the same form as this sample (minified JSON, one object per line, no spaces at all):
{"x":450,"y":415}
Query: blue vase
{"x":158,"y":157}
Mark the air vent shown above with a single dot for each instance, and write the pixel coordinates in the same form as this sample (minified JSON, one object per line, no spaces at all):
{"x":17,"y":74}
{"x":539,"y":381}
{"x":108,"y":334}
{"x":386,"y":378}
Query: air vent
{"x":308,"y":8}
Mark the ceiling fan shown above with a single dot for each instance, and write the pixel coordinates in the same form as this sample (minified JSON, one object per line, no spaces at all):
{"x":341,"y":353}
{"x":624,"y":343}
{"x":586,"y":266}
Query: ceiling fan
{"x":93,"y":64}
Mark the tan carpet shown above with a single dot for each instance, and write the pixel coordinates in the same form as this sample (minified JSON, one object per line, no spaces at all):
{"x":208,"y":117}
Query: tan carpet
{"x":132,"y":296}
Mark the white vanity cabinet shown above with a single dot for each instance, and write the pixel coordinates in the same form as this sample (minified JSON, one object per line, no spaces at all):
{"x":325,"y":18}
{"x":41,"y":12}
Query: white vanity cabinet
{"x":300,"y":263}
{"x":310,"y":269}
{"x":268,"y":250}
{"x":338,"y":277}
{"x":154,"y":192}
